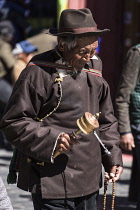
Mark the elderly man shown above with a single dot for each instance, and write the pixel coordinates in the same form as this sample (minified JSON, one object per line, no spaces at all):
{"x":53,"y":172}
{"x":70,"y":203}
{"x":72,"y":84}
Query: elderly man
{"x":53,"y":91}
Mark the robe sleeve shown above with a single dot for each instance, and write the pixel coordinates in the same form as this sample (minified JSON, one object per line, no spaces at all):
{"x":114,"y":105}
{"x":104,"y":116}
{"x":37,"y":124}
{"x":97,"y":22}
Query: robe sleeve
{"x":19,"y":125}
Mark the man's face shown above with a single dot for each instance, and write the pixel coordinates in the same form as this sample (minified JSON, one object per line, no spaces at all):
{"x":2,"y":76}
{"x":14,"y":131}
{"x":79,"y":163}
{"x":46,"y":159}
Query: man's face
{"x":82,"y":52}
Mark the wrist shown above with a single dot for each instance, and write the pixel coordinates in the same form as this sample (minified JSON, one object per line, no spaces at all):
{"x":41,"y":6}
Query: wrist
{"x":124,"y":133}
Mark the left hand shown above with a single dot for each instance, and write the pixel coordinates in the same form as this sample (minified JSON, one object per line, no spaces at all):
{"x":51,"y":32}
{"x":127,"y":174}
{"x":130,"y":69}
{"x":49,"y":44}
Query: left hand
{"x":114,"y":174}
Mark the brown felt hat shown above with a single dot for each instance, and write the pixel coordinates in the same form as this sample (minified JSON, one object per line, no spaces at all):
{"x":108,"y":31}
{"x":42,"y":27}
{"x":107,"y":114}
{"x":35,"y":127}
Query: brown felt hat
{"x":75,"y":22}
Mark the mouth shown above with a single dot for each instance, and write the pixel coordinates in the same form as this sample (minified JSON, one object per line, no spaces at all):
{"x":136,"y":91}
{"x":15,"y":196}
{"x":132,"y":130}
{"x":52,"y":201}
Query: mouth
{"x":82,"y":63}
{"x":78,"y":65}
{"x":84,"y":59}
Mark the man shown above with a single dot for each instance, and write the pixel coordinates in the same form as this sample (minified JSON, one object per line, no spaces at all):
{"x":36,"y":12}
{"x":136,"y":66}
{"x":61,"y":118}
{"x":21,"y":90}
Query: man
{"x":127,"y":110}
{"x":23,"y":52}
{"x":7,"y":62}
{"x":55,"y":90}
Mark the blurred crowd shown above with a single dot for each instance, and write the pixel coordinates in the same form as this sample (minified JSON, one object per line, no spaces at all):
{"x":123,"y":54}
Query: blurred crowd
{"x":18,"y":43}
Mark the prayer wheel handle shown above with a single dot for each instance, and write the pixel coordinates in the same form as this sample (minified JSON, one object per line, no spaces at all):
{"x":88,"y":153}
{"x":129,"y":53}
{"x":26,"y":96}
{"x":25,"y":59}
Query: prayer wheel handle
{"x":86,"y":124}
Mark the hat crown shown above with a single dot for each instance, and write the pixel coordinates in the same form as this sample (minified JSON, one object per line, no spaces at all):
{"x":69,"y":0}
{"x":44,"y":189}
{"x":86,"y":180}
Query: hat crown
{"x":72,"y":18}
{"x":76,"y":22}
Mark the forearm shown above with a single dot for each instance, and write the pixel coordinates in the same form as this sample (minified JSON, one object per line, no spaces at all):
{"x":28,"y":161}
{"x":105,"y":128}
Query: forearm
{"x":31,"y":138}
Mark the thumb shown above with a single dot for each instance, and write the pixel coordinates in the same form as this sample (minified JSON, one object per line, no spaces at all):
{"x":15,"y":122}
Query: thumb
{"x":113,"y":171}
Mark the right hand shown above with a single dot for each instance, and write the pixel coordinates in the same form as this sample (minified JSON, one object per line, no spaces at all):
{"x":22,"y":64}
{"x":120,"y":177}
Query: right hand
{"x":127,"y":142}
{"x":65,"y":143}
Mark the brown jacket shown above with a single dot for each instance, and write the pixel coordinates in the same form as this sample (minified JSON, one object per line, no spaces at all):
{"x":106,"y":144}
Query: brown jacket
{"x":36,"y":94}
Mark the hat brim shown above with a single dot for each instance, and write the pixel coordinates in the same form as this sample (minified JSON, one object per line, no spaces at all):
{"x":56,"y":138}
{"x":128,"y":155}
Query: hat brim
{"x":55,"y":32}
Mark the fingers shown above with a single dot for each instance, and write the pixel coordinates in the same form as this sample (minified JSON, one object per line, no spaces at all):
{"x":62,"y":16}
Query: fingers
{"x":133,"y":144}
{"x":126,"y":145}
{"x":127,"y":142}
{"x":65,"y":143}
{"x":109,"y":176}
{"x":114,"y":174}
{"x":118,"y":173}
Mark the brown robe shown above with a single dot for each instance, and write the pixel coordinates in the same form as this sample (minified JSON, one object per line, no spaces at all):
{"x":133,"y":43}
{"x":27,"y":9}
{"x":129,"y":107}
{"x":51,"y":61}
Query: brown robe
{"x":36,"y":94}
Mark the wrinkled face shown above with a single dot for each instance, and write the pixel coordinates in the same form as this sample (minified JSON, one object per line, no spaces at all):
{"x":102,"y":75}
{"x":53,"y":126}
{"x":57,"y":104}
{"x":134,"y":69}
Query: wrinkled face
{"x":82,"y":52}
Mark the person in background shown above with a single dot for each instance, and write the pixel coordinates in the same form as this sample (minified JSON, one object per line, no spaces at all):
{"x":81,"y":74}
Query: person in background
{"x":6,"y":45}
{"x":17,"y":12}
{"x":23,"y":51}
{"x":128,"y":114}
{"x":7,"y":61}
{"x":55,"y":89}
{"x":5,"y":203}
{"x":49,"y":42}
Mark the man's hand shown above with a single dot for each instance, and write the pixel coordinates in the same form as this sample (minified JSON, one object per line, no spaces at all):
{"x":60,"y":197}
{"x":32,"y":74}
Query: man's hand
{"x":114,"y":174}
{"x":65,"y":143}
{"x":127,"y":142}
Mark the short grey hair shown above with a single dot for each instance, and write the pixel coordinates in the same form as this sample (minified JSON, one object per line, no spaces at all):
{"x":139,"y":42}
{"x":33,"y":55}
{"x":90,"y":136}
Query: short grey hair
{"x":71,"y":41}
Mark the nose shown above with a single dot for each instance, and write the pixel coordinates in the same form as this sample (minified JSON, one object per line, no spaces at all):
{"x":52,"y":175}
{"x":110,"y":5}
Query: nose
{"x":87,"y":56}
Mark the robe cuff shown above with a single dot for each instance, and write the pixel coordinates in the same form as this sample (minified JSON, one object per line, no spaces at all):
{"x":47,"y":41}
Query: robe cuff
{"x":52,"y":156}
{"x":123,"y":133}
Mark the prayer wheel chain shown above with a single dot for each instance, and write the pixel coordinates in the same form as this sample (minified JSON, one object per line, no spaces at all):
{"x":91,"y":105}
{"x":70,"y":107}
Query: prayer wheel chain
{"x":113,"y":194}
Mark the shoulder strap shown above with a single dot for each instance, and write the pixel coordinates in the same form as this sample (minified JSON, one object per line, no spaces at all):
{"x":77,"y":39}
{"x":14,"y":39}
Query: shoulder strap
{"x":94,"y":71}
{"x":56,"y":65}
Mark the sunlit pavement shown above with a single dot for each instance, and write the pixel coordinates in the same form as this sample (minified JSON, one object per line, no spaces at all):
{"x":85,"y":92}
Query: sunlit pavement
{"x":22,"y":200}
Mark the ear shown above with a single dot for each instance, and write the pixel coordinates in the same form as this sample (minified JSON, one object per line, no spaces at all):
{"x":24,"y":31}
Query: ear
{"x":61,"y":47}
